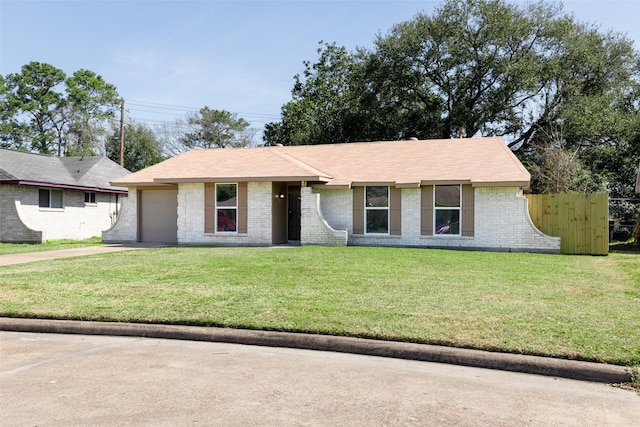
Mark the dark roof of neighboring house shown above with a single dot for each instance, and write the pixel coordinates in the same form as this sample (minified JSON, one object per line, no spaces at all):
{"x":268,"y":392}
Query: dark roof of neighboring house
{"x":478,"y":161}
{"x":93,"y":173}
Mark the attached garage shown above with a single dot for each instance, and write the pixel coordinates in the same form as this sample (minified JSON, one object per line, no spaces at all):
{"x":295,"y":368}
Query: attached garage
{"x":158,"y":215}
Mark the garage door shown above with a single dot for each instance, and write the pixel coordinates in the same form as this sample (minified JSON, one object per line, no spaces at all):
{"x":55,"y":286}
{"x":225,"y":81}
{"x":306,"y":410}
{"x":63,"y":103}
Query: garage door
{"x":158,"y":216}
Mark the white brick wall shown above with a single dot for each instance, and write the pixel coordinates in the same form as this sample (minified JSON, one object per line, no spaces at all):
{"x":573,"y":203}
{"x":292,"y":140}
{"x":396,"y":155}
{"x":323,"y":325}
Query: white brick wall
{"x":12,"y":229}
{"x":74,"y":221}
{"x":125,"y":230}
{"x":501,"y":217}
{"x":501,"y":222}
{"x":336,"y":207}
{"x":191,"y":217}
{"x":191,"y":213}
{"x":314,"y":229}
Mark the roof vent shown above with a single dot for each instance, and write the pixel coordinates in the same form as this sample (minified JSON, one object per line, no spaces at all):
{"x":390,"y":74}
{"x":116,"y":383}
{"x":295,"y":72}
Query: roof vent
{"x":413,"y":138}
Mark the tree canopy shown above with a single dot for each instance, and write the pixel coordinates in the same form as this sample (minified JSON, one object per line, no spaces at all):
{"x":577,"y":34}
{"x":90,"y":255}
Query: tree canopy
{"x":562,"y":93}
{"x":141,"y":147}
{"x":215,"y":129}
{"x":43,"y":110}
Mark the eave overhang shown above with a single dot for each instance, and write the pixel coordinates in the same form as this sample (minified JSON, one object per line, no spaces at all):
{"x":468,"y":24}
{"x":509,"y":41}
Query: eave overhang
{"x":64,"y":186}
{"x":242,"y":179}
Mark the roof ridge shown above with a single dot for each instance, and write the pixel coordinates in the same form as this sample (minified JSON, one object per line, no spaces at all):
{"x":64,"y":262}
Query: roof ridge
{"x":299,"y":163}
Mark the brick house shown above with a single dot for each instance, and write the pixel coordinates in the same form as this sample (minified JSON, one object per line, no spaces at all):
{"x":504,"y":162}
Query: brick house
{"x":50,"y":198}
{"x":454,"y":193}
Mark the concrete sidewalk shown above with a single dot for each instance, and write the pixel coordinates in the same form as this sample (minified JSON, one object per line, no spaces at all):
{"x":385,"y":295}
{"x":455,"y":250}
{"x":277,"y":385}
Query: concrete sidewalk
{"x":23,"y":258}
{"x":572,"y":369}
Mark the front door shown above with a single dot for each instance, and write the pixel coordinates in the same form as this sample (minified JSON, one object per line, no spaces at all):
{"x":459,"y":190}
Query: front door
{"x":294,"y":212}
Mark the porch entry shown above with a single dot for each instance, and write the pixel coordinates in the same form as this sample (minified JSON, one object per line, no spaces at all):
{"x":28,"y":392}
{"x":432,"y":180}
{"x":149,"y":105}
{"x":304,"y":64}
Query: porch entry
{"x":285,"y":212}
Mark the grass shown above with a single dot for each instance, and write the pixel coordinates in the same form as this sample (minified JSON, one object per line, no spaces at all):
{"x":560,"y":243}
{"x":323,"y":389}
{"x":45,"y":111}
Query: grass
{"x":577,"y":307}
{"x":19,"y":248}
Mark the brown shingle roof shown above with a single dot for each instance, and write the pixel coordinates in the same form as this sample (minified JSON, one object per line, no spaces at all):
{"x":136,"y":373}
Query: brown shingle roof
{"x":480,"y":161}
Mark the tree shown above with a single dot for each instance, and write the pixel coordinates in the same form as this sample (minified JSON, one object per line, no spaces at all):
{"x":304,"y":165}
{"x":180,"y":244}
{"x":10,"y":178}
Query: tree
{"x":479,"y":67}
{"x":323,"y":104}
{"x":340,"y":99}
{"x":215,"y":129}
{"x":11,"y":133}
{"x":90,"y":101}
{"x":141,"y":147}
{"x":557,"y":169}
{"x":44,"y":111}
{"x":35,"y":107}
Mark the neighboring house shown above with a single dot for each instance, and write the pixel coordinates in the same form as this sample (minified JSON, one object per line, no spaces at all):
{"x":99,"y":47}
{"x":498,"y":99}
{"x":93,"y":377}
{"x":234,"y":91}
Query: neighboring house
{"x":453,"y":193}
{"x":49,"y":198}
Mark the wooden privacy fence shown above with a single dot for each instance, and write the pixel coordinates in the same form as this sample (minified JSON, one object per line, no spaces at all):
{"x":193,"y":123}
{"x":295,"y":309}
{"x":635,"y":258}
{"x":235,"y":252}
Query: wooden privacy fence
{"x":580,"y":220}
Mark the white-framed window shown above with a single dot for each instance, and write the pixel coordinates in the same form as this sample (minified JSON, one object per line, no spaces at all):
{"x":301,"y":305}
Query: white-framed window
{"x":226,"y":208}
{"x":376,"y":209}
{"x":447,"y":200}
{"x":89,"y":197}
{"x":50,"y":198}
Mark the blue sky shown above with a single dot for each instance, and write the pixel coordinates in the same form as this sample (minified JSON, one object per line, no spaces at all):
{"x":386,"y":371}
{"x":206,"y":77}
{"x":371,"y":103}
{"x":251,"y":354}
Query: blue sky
{"x":170,"y":57}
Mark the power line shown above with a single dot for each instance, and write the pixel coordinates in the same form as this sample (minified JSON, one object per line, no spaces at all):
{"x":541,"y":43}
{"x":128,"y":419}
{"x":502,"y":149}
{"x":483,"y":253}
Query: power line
{"x":157,"y":107}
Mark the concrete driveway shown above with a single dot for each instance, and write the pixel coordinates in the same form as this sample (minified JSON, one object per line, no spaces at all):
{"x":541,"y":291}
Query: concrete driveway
{"x":22,"y":258}
{"x":72,"y":380}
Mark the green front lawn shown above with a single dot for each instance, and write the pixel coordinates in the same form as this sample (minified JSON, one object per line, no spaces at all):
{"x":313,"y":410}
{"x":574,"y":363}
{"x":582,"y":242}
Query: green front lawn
{"x":578,"y":307}
{"x":20,"y":248}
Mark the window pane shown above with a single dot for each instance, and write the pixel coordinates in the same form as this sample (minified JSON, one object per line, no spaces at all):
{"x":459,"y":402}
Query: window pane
{"x":226,"y":220}
{"x":377,"y":196}
{"x":89,"y":197}
{"x":377,"y":221}
{"x":448,"y":221}
{"x":43,"y":198}
{"x":226,"y":194}
{"x":447,"y":196}
{"x":56,"y":199}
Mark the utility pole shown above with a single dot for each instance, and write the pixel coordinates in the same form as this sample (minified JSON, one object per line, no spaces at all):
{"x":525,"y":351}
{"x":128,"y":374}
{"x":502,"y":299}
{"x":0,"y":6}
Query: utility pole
{"x":122,"y":134}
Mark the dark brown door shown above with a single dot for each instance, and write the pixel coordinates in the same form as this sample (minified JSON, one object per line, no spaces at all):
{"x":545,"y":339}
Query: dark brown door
{"x":294,"y":212}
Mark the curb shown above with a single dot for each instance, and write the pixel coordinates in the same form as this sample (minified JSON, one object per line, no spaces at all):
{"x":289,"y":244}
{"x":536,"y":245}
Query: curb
{"x":571,"y":369}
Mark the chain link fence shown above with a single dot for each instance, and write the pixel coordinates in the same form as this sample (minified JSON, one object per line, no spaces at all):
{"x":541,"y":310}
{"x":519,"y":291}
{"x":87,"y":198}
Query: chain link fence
{"x":624,"y":217}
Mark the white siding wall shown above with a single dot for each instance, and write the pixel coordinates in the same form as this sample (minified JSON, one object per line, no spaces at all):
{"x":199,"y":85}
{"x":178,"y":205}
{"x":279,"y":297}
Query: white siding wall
{"x":74,"y":221}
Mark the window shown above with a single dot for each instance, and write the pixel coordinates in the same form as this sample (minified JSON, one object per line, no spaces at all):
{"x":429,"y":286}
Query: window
{"x":226,"y":207}
{"x":50,"y":198}
{"x":90,"y":197}
{"x":376,"y":210}
{"x":447,"y":209}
